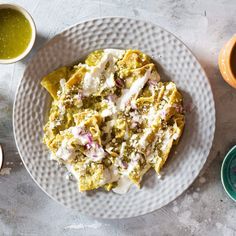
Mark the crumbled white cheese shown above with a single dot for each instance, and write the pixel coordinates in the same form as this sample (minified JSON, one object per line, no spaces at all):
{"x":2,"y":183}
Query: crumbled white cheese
{"x":110,"y":82}
{"x":113,"y":56}
{"x":143,"y":142}
{"x":61,"y":107}
{"x":78,"y":133}
{"x":134,"y":140}
{"x":106,"y":112}
{"x":136,"y":117}
{"x":117,"y":53}
{"x":90,"y":84}
{"x":79,"y":102}
{"x":166,"y":140}
{"x":152,"y":116}
{"x":110,"y":110}
{"x":134,"y":157}
{"x":95,"y":153}
{"x":65,"y":151}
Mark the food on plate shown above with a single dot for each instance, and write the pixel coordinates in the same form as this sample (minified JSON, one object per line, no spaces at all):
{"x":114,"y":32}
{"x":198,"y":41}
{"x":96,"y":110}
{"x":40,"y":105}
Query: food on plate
{"x":112,"y":119}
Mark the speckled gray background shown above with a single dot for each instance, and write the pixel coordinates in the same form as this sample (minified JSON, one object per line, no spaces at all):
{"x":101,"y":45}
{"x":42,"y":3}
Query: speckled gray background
{"x":204,"y":209}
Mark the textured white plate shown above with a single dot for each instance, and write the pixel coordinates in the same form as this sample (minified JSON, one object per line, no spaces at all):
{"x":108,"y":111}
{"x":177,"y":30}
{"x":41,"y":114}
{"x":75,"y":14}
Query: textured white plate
{"x":175,"y":62}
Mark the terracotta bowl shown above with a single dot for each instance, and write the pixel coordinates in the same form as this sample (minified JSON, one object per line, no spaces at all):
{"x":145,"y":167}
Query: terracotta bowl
{"x":227,"y":62}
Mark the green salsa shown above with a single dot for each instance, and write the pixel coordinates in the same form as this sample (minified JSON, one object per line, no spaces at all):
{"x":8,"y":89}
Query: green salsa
{"x":15,"y":33}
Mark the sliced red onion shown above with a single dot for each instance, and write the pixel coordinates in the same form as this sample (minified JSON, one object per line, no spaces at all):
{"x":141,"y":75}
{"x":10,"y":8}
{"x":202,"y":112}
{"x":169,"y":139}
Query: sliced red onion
{"x":90,"y":140}
{"x":119,"y":83}
{"x":163,"y":113}
{"x":90,"y":137}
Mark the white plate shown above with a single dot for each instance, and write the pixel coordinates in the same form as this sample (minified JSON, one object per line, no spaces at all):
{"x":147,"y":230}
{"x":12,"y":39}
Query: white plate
{"x":174,"y":61}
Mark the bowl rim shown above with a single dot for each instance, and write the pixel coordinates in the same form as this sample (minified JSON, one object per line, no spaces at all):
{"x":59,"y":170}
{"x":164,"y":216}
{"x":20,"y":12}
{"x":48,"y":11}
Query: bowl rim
{"x":227,"y":156}
{"x":224,"y":61}
{"x":33,"y":28}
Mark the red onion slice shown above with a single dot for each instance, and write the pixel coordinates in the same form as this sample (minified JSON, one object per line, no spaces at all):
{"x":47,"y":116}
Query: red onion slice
{"x":119,"y":83}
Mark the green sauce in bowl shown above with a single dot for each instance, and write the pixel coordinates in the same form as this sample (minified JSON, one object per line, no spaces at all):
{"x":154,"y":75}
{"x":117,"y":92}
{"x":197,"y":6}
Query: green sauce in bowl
{"x":15,"y":33}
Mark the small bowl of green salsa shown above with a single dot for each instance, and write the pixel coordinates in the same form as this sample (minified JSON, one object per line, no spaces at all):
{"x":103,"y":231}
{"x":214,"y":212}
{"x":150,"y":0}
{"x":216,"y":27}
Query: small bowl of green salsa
{"x":17,"y":33}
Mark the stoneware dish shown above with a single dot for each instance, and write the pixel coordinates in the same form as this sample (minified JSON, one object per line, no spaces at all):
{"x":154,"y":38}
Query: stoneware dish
{"x":174,"y":61}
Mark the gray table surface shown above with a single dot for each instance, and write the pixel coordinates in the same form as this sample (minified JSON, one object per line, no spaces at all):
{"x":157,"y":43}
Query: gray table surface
{"x":204,"y":209}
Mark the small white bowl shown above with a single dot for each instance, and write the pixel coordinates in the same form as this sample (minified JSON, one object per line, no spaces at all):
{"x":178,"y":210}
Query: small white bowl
{"x":32,"y":25}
